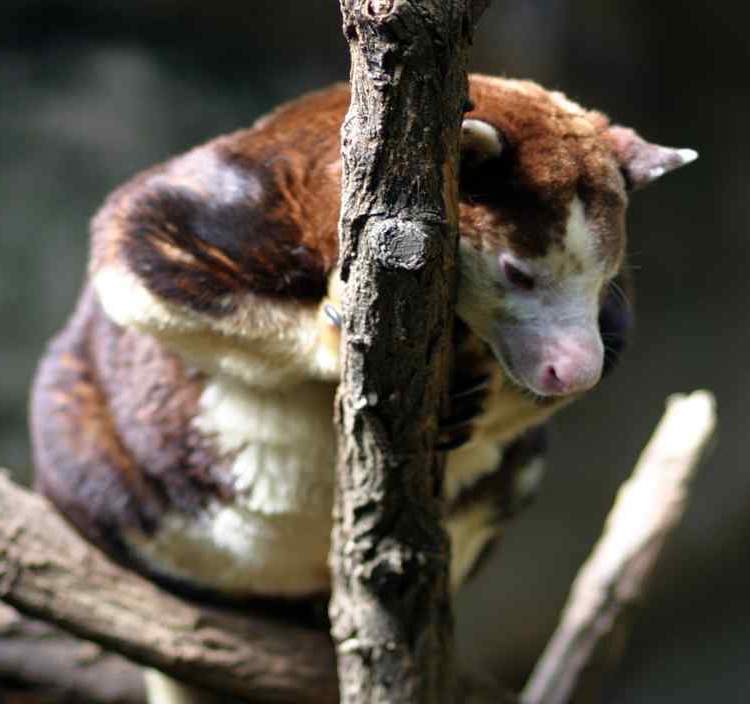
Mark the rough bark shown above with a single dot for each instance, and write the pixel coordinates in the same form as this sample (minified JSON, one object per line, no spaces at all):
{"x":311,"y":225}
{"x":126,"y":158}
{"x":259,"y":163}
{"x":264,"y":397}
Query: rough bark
{"x":390,"y":610}
{"x":48,"y":572}
{"x":40,"y":659}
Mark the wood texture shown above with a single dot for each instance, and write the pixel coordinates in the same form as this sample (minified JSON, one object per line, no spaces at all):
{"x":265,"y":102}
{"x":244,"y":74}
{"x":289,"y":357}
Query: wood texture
{"x":48,"y":572}
{"x":390,"y":609}
{"x":40,"y":659}
{"x":615,"y":576}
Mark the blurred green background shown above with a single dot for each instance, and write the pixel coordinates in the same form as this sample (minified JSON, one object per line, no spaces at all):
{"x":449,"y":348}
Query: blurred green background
{"x":92,"y":92}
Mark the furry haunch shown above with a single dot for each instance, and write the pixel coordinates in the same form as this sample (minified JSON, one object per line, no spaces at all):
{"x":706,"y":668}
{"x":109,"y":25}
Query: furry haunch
{"x":182,"y":420}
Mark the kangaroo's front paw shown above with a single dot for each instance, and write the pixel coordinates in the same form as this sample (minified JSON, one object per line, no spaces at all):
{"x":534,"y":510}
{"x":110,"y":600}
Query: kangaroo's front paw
{"x":467,"y":398}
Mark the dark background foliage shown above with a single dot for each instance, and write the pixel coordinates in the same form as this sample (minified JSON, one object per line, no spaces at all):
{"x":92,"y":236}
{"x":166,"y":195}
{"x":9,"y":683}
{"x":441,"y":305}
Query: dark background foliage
{"x":92,"y":92}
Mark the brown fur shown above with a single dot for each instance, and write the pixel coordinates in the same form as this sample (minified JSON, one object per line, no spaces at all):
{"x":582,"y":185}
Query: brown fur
{"x":497,"y":488}
{"x":551,"y":155}
{"x":194,"y":243}
{"x":113,"y":446}
{"x":255,"y":214}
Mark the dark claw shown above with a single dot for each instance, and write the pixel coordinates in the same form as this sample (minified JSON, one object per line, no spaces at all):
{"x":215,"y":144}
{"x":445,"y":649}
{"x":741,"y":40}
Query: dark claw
{"x":477,"y":385}
{"x":461,"y":414}
{"x":456,"y":431}
{"x":451,"y":443}
{"x":333,"y":315}
{"x":466,"y":403}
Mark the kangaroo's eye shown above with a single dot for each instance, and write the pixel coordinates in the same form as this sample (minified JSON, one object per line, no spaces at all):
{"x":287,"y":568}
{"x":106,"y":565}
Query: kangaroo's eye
{"x":515,"y":276}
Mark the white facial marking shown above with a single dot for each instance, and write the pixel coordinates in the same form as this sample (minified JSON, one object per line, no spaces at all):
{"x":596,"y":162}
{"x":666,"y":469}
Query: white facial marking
{"x":546,"y":335}
{"x":553,"y":345}
{"x":128,"y":303}
{"x":569,"y":279}
{"x":579,"y":240}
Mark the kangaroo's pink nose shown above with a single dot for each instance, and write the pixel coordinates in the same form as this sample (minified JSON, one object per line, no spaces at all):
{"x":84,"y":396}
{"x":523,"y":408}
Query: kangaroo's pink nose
{"x":571,"y":367}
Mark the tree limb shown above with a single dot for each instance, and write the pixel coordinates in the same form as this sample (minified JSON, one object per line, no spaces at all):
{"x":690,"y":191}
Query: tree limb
{"x":38,"y":658}
{"x":47,"y":571}
{"x":648,"y":507}
{"x":399,"y":230}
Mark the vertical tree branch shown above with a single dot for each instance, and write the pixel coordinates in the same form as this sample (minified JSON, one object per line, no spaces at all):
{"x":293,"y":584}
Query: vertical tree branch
{"x":399,"y":228}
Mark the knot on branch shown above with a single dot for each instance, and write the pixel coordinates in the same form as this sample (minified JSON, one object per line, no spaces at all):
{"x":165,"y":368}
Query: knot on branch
{"x":378,"y":8}
{"x":406,"y":245}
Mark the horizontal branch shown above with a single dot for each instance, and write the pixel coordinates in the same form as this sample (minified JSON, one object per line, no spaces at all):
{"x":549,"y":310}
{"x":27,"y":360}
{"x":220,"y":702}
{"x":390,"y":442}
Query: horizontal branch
{"x":648,"y":507}
{"x":38,"y":658}
{"x":48,"y":572}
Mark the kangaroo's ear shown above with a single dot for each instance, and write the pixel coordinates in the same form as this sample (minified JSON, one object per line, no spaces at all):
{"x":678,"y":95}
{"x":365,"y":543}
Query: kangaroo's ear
{"x":642,"y":162}
{"x":480,"y":142}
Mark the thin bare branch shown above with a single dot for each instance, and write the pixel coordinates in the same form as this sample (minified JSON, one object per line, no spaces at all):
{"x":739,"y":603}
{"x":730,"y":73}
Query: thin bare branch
{"x":648,"y":507}
{"x":40,"y":659}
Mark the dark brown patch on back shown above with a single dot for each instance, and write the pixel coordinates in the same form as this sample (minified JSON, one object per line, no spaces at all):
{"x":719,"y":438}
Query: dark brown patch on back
{"x":220,"y":249}
{"x":252,"y":212}
{"x":276,"y":234}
